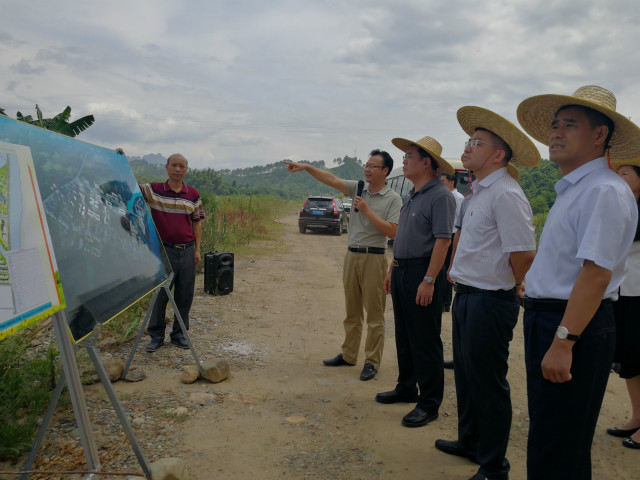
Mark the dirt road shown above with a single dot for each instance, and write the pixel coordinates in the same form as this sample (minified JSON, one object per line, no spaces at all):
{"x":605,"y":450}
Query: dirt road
{"x":282,"y":414}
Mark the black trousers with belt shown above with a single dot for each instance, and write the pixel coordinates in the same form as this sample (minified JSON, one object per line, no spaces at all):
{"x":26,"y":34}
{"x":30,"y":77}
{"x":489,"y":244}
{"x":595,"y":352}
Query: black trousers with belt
{"x":418,"y":341}
{"x":563,"y":416}
{"x":184,"y":279}
{"x":483,"y":323}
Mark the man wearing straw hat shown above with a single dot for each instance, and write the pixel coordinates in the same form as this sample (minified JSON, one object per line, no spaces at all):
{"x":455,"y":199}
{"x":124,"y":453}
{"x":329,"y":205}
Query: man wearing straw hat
{"x":373,"y":220}
{"x":416,"y":281}
{"x":568,"y":322}
{"x":494,"y":250}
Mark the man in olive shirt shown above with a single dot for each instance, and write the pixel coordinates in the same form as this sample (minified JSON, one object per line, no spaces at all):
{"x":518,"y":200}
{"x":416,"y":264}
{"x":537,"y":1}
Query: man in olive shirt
{"x":365,"y":264}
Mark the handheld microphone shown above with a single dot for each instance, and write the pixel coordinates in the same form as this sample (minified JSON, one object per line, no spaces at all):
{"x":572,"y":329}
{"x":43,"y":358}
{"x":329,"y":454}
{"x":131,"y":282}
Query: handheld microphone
{"x":359,"y":192}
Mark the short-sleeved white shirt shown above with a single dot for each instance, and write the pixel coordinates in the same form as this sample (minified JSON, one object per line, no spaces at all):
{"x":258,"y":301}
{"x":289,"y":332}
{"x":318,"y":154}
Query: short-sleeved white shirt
{"x":593,"y":218}
{"x":497,"y":222}
{"x":459,"y":199}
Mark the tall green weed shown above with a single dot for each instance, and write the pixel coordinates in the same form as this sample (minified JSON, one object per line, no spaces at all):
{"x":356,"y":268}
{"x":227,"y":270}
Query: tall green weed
{"x":26,"y":384}
{"x":232,"y":221}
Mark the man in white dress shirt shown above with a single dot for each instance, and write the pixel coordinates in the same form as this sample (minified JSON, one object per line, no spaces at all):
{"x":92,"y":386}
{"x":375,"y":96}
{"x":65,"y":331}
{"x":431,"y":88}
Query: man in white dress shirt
{"x":568,"y":322}
{"x":495,"y":249}
{"x":451,"y":182}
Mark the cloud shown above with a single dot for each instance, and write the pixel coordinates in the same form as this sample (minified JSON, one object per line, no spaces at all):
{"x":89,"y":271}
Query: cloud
{"x":24,"y":67}
{"x":234,"y":84}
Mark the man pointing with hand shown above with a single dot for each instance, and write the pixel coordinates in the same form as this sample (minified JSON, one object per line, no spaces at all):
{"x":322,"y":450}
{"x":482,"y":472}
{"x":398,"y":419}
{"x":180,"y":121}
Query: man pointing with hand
{"x":365,"y":263}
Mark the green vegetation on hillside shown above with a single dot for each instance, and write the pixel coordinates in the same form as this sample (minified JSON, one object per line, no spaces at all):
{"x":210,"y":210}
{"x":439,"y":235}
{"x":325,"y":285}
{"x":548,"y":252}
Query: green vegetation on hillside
{"x":275,"y":180}
{"x":272,"y":179}
{"x":538,"y":185}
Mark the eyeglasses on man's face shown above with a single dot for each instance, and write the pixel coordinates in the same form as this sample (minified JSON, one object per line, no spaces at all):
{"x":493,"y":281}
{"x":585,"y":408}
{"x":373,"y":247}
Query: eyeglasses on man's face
{"x":409,"y":156}
{"x":474,"y":142}
{"x":370,"y":165}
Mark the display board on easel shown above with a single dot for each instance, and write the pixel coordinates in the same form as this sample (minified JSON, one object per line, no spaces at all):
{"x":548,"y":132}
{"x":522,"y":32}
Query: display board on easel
{"x":108,"y":254}
{"x":108,"y":251}
{"x":30,"y":288}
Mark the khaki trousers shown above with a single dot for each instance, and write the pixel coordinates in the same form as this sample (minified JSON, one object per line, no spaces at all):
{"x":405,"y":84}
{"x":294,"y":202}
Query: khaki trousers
{"x":363,"y":279}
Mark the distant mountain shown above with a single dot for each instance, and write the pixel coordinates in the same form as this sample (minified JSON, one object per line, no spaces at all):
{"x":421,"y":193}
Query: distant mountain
{"x":153,"y":158}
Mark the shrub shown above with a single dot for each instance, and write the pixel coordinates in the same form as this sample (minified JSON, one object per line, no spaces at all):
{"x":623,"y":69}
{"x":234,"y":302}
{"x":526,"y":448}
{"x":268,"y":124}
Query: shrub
{"x":26,"y":385}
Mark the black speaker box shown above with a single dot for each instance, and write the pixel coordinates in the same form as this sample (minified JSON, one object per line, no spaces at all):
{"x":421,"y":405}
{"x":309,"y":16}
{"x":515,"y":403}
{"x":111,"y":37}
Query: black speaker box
{"x":218,"y":272}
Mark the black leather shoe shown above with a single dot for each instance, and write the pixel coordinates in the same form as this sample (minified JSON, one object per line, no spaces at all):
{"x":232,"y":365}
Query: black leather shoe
{"x":153,"y":345}
{"x":620,"y":432}
{"x":453,"y":448}
{"x":337,"y":361}
{"x":394,"y":397}
{"x":368,"y":372}
{"x":180,"y":343}
{"x":629,"y":443}
{"x":418,"y":418}
{"x":448,"y":364}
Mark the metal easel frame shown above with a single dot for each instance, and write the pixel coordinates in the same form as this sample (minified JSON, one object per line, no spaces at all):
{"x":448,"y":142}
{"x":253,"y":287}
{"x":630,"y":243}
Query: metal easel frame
{"x":71,"y":377}
{"x":166,"y":285}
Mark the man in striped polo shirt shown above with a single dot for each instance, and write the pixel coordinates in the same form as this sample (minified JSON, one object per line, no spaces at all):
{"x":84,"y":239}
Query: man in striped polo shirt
{"x":177,"y":212}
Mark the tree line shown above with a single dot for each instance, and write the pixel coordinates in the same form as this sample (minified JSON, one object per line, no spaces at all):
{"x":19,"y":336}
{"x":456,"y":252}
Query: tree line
{"x":274,"y":179}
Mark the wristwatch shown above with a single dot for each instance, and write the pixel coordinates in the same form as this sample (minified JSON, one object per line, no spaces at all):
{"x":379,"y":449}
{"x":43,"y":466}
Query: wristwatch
{"x":429,"y":280}
{"x":563,"y":334}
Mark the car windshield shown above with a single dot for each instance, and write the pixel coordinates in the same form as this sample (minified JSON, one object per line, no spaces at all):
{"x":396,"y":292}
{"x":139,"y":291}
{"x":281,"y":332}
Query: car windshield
{"x":319,"y":203}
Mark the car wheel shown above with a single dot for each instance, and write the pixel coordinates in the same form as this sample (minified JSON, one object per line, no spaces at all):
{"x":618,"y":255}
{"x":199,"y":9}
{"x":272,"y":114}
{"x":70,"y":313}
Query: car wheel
{"x":339,"y":229}
{"x":301,"y":228}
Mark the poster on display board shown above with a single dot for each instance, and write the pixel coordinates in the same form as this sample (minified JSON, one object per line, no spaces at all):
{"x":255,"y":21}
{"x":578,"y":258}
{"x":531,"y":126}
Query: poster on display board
{"x":30,"y":288}
{"x":108,"y":252}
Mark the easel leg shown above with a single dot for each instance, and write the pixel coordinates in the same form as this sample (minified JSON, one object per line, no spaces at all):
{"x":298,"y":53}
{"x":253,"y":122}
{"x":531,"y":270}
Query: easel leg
{"x":55,"y":396}
{"x":70,"y":368}
{"x":176,"y":312}
{"x":106,"y":383}
{"x":145,"y":322}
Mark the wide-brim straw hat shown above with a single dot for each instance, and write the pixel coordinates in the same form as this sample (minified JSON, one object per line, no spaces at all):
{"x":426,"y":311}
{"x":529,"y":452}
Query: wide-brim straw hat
{"x":431,"y":146}
{"x":615,"y":166}
{"x":536,"y":114}
{"x":524,"y":152}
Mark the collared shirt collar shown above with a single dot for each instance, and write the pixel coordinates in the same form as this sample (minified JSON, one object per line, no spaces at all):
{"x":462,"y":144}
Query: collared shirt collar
{"x":184,"y":188}
{"x":382,"y":191}
{"x":487,"y":181}
{"x":579,"y":173}
{"x":426,"y":186}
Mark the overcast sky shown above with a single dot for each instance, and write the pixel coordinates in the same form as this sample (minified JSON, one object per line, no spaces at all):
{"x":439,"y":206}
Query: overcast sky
{"x":238,"y":83}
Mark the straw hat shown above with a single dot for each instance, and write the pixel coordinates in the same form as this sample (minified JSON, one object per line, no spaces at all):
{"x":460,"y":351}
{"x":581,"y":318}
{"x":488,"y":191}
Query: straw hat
{"x":524,"y":152}
{"x":535,"y":114}
{"x":431,"y":146}
{"x":615,"y":166}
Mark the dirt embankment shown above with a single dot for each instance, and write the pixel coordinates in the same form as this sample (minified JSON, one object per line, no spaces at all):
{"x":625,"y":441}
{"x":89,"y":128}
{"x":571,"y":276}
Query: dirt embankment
{"x":282,"y":414}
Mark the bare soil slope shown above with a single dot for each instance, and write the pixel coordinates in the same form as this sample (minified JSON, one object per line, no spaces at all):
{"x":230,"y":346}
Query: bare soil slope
{"x":282,"y":414}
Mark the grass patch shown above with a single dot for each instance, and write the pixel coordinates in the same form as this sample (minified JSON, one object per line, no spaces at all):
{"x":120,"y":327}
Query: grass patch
{"x":26,"y":385}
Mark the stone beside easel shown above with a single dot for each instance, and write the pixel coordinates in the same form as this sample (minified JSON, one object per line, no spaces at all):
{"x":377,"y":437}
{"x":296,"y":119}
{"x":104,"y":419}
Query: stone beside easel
{"x":215,"y":371}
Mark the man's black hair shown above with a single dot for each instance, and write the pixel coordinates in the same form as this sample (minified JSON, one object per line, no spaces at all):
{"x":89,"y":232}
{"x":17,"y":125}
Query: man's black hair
{"x":452,"y":178}
{"x":500,"y":144}
{"x":424,"y":154}
{"x":387,"y":161}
